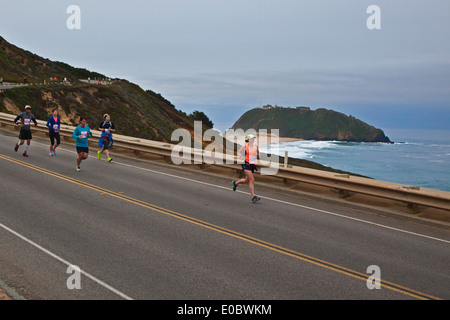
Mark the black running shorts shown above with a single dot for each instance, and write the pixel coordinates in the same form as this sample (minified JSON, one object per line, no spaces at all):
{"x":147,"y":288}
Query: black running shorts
{"x":251,"y":167}
{"x":25,"y":134}
{"x":82,"y":149}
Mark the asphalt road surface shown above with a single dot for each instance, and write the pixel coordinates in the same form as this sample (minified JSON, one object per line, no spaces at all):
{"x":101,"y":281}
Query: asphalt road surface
{"x":145,"y":231}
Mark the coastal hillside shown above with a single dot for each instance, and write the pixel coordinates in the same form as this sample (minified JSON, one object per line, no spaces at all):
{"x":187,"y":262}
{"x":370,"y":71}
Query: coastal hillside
{"x":136,"y":112}
{"x":16,"y":64}
{"x":307,"y":124}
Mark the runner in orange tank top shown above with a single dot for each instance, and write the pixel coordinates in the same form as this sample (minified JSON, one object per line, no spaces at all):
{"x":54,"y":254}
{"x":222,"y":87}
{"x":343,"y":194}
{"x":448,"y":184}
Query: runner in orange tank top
{"x":251,"y":155}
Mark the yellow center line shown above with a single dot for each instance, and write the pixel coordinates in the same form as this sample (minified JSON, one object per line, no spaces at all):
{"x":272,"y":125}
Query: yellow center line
{"x":234,"y":234}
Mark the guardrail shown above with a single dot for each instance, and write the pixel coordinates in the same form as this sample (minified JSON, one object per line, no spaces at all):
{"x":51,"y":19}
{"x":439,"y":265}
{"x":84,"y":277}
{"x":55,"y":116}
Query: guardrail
{"x":344,"y":183}
{"x":7,"y":86}
{"x":13,"y":85}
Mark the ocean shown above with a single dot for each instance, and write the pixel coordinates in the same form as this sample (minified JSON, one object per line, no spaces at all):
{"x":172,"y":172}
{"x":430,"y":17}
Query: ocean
{"x":417,"y":157}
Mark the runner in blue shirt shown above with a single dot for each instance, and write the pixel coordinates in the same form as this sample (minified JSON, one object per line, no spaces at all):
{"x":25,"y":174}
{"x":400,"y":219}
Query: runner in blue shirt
{"x":54,"y":125}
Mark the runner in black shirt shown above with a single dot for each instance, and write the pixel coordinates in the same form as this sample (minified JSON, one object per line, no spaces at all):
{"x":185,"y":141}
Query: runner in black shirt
{"x":106,"y":140}
{"x":25,"y":129}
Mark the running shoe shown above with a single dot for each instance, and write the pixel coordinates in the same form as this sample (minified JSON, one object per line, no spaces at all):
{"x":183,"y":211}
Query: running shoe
{"x":78,"y":169}
{"x":50,"y":153}
{"x":99,"y":155}
{"x":234,"y":185}
{"x":25,"y":154}
{"x":16,"y":147}
{"x":109,"y":159}
{"x":255,"y":199}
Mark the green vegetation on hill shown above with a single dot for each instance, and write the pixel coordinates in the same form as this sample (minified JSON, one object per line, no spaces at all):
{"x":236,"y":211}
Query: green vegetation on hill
{"x":16,"y":64}
{"x":200,"y":116}
{"x":134,"y":111}
{"x":307,"y":124}
{"x":79,"y":73}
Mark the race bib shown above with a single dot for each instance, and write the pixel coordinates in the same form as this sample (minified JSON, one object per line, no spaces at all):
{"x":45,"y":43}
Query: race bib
{"x":84,"y":134}
{"x":252,"y":159}
{"x":26,"y":122}
{"x":55,"y":127}
{"x":107,"y":130}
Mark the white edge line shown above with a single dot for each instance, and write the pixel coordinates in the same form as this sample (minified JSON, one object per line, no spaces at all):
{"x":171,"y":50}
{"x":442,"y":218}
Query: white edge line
{"x":292,"y":204}
{"x":100,"y":282}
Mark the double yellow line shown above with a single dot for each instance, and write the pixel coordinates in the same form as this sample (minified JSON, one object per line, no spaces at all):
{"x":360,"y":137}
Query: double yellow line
{"x":234,"y":234}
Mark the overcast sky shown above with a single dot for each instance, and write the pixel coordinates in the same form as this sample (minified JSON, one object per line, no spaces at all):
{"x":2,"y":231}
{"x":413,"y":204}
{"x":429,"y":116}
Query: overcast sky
{"x":226,"y":57}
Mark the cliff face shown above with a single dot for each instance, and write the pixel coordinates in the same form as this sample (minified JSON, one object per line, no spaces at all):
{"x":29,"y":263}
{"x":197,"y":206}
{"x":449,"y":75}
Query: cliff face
{"x":303,"y":123}
{"x":138,"y":113}
{"x":135,"y":112}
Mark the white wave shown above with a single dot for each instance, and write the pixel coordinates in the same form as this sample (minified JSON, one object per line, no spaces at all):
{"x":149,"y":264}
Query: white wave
{"x":440,"y":145}
{"x":300,"y":149}
{"x":308,"y":145}
{"x":292,"y":152}
{"x":437,"y":161}
{"x":409,"y":143}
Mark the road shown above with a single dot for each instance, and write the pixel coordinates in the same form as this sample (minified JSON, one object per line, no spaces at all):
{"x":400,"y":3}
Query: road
{"x":142,"y":230}
{"x":13,"y":85}
{"x":8,"y":85}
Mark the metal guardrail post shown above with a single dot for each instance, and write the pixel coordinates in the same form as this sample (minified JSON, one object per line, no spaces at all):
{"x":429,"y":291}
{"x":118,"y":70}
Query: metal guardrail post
{"x":286,"y":157}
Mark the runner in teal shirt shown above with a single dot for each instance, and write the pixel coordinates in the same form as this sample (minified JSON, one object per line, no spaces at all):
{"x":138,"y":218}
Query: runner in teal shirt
{"x":82,"y":133}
